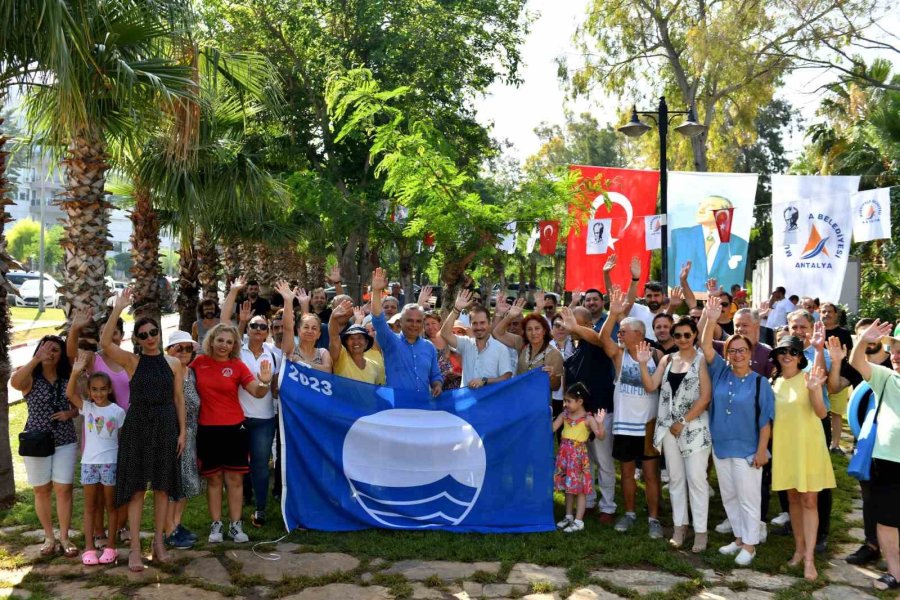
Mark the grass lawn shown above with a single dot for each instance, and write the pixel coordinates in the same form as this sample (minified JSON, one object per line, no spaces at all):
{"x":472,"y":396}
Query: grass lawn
{"x":27,"y":316}
{"x":598,"y":546}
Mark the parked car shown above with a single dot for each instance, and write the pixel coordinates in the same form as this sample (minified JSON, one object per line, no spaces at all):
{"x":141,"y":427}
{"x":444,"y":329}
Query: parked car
{"x":29,"y":290}
{"x":512,"y":292}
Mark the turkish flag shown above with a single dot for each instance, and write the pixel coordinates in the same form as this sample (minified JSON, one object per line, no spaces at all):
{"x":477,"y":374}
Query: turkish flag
{"x":549,"y":236}
{"x":633,"y":195}
{"x":723,"y":223}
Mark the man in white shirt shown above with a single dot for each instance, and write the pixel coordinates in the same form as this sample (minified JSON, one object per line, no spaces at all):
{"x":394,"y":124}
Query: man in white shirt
{"x":485,"y":360}
{"x":778,"y":313}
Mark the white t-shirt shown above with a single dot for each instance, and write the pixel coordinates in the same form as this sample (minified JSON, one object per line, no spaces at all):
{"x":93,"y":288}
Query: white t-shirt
{"x":101,"y":433}
{"x":491,"y":362}
{"x":257,"y":408}
{"x":635,"y":407}
{"x":778,"y":314}
{"x":639,"y":311}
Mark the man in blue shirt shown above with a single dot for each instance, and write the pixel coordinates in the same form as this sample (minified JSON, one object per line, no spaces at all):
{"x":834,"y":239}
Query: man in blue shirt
{"x":410,"y":361}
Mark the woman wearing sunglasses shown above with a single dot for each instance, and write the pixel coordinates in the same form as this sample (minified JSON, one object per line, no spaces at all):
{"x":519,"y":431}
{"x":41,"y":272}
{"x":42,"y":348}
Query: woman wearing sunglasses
{"x":740,"y":421}
{"x":682,"y":428}
{"x":182,"y":346}
{"x":153,"y":435}
{"x":801,"y":463}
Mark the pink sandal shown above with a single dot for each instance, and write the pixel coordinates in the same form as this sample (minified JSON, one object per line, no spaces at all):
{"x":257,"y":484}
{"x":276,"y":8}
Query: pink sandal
{"x":109,"y":556}
{"x":89,"y":558}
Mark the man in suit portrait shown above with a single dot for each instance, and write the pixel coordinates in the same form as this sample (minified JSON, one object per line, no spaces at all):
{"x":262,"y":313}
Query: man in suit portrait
{"x":709,"y":257}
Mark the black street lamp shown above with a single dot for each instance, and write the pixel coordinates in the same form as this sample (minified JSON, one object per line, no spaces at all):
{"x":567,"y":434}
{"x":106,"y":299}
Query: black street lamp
{"x":636,"y":128}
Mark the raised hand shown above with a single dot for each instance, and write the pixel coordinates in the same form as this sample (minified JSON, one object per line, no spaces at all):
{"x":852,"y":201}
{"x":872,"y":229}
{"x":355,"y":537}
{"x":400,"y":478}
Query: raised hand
{"x":644,"y":352}
{"x":425,"y":295}
{"x":601,"y":415}
{"x":635,"y":267}
{"x":81,"y":363}
{"x":284,"y":289}
{"x":568,"y":318}
{"x":335,"y":276}
{"x":302,"y":295}
{"x":342,"y":311}
{"x":239,"y":283}
{"x":576,"y":296}
{"x":712,"y":287}
{"x":616,"y":301}
{"x":43,"y":351}
{"x":246,"y":312}
{"x":685,"y":270}
{"x":123,"y":300}
{"x":82,"y":317}
{"x":875,"y":332}
{"x":359,"y":315}
{"x":610,"y":263}
{"x":265,"y":372}
{"x":764,"y":308}
{"x":379,"y":280}
{"x":502,"y":305}
{"x":463,"y":299}
{"x":676,"y":296}
{"x":836,"y":350}
{"x":817,"y":339}
{"x":713,"y":309}
{"x":517,"y":308}
{"x":816,"y":378}
{"x":539,"y":301}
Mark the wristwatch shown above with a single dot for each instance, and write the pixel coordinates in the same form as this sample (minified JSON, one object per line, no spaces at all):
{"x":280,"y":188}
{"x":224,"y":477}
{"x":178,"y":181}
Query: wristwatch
{"x":484,"y":381}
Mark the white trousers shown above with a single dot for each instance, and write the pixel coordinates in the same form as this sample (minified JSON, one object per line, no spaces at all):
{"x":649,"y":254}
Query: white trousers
{"x":687,"y":478}
{"x":604,"y":467}
{"x":739,"y":484}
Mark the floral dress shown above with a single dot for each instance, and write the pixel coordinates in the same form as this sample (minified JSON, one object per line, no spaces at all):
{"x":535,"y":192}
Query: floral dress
{"x":445,"y":366}
{"x":573,"y":466}
{"x":672,"y":407}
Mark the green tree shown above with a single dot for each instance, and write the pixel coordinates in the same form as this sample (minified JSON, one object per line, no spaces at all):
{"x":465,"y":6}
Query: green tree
{"x":581,"y":142}
{"x":725,"y":58}
{"x":24,"y":243}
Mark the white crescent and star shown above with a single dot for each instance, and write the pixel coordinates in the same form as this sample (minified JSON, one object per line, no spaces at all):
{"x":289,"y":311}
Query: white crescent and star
{"x":548,"y":230}
{"x":621,"y":200}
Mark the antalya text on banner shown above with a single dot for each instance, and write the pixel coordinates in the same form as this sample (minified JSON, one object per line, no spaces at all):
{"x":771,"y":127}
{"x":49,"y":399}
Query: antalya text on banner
{"x":358,"y":456}
{"x":811,"y":227}
{"x":633,"y":196}
{"x":871,"y":215}
{"x":693,"y":232}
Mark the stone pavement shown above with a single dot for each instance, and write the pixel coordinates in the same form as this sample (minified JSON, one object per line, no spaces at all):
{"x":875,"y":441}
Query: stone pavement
{"x":287,"y":571}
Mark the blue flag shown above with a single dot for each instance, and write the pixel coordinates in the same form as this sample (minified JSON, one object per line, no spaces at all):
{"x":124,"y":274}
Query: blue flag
{"x":357,"y":456}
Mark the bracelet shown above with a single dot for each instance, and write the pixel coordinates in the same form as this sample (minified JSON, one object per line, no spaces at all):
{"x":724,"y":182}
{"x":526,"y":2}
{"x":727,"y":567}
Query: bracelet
{"x":263,"y":383}
{"x":635,"y":279}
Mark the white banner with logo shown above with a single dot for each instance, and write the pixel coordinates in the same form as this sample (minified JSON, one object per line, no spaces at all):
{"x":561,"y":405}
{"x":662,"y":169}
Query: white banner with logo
{"x":871,"y":214}
{"x":693,"y":233}
{"x":811,"y":227}
{"x":598,"y":232}
{"x":653,"y":232}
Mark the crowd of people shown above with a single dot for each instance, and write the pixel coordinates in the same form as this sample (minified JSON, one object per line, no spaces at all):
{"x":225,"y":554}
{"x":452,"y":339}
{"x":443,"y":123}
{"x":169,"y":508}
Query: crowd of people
{"x":759,"y":394}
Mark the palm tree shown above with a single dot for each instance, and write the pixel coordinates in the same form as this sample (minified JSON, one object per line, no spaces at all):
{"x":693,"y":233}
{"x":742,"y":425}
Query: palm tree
{"x":124,"y":77}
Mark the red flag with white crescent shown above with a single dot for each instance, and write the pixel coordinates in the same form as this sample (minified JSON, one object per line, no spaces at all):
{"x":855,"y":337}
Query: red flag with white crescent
{"x":723,"y":218}
{"x":633,"y":196}
{"x":549,"y":236}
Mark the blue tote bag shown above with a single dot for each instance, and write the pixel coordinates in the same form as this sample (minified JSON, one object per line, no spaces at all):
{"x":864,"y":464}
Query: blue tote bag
{"x":860,"y":466}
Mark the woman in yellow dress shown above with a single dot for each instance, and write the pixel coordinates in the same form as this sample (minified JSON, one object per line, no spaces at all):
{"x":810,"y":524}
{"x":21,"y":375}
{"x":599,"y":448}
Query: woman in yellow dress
{"x":800,"y":461}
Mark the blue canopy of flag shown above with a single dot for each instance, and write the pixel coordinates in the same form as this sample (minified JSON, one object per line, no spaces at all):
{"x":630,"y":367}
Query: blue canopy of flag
{"x":357,"y":456}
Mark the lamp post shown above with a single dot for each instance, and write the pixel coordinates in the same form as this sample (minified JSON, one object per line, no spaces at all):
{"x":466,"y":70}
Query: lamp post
{"x":636,"y":128}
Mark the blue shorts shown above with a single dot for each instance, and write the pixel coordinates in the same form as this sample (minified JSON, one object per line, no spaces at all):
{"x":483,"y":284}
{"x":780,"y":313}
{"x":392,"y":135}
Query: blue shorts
{"x":102,"y":474}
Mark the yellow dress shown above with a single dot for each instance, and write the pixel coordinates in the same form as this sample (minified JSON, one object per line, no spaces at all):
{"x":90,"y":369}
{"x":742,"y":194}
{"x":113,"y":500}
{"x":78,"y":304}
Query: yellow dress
{"x":800,"y":460}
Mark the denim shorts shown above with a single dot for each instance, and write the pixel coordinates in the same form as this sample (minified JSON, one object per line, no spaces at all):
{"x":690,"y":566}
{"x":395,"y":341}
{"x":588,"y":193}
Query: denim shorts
{"x":102,"y":474}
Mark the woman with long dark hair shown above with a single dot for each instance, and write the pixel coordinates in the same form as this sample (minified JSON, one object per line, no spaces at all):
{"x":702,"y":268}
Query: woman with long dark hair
{"x":51,"y":461}
{"x":535,"y":350}
{"x":153,"y":435}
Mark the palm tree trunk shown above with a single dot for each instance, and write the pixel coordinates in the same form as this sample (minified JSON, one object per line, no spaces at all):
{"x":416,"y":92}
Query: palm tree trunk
{"x":7,"y":475}
{"x":145,"y":267}
{"x":210,"y":265}
{"x":188,"y":284}
{"x":86,"y":239}
{"x":232,"y":260}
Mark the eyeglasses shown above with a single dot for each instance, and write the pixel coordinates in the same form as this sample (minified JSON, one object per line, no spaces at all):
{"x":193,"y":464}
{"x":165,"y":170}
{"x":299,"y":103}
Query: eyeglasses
{"x":143,"y":335}
{"x":682,"y":336}
{"x":738,"y":350}
{"x":258,"y":326}
{"x":183,"y":348}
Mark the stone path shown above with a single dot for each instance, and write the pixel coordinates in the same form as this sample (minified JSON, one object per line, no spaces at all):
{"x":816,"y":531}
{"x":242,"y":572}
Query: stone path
{"x":242,"y":574}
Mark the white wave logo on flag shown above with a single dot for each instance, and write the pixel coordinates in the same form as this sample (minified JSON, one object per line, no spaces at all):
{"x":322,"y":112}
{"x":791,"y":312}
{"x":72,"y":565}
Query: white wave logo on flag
{"x":407,"y":467}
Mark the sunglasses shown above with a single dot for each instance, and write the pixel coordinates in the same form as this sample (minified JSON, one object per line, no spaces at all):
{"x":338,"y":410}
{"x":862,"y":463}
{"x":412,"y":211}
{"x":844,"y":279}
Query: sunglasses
{"x":682,"y":336}
{"x":183,"y":348}
{"x":258,"y":326}
{"x":790,"y":351}
{"x":738,"y":350}
{"x":143,"y":335}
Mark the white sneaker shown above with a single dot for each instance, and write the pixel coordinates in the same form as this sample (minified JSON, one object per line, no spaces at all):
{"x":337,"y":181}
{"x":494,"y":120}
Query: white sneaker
{"x":215,"y":532}
{"x":781,"y":520}
{"x":744,"y":558}
{"x":664,"y":476}
{"x":576,"y":525}
{"x":236,"y":532}
{"x":763,"y":532}
{"x":730,"y":550}
{"x":724,"y":526}
{"x":565,"y":522}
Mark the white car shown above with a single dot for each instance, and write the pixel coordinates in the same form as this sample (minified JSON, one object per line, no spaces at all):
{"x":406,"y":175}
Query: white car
{"x":28,"y":293}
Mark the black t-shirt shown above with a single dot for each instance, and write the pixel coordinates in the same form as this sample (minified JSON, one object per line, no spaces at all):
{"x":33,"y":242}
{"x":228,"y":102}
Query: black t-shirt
{"x":847,"y":341}
{"x":659,"y":347}
{"x":261,"y":306}
{"x":727,"y":328}
{"x":591,"y":366}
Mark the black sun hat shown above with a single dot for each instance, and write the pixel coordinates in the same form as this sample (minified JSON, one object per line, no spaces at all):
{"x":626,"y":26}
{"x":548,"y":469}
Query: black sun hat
{"x":789,"y":342}
{"x":357,"y":330}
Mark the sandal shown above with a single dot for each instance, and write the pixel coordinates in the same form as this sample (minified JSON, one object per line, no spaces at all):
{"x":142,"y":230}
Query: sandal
{"x":69,"y":549}
{"x":887,"y":581}
{"x":124,"y":535}
{"x":89,"y":558}
{"x":109,"y":556}
{"x":50,"y":547}
{"x":135,"y":561}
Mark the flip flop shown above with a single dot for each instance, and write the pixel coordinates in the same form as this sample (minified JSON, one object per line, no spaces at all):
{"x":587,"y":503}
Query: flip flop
{"x":49,"y":548}
{"x":135,"y":561}
{"x":89,"y":558}
{"x":887,"y":581}
{"x":70,"y":550}
{"x":109,"y":556}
